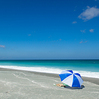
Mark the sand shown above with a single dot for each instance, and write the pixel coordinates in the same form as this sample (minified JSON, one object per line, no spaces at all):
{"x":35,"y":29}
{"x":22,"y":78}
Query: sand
{"x":16,"y":84}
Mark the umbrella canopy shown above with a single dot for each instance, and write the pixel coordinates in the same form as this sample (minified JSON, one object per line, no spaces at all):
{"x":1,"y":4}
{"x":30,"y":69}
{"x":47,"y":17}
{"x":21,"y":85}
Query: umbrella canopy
{"x":70,"y":78}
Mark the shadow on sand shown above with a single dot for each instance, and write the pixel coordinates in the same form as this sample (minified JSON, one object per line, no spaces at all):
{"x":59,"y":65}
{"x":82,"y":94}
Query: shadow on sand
{"x":82,"y":86}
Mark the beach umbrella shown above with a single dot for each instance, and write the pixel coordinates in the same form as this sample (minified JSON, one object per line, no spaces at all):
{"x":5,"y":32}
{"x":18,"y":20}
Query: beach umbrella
{"x":70,"y":78}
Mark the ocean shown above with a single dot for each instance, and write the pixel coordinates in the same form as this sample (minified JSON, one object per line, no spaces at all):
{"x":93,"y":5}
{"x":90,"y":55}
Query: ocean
{"x":87,"y":68}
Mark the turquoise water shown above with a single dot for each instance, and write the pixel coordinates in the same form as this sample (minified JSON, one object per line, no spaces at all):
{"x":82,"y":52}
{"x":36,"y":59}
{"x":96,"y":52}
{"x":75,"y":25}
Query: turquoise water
{"x":54,"y":66}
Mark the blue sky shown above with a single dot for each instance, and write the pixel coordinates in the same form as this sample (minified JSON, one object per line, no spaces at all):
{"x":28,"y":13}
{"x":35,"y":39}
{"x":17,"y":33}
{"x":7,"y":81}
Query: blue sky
{"x":49,"y":29}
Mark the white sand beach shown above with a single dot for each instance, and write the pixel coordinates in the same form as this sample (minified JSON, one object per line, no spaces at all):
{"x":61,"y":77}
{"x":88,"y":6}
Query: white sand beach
{"x":16,"y":84}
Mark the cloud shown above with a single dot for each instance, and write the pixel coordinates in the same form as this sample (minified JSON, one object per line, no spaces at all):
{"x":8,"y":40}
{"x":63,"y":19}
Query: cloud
{"x":89,"y":13}
{"x":91,"y":30}
{"x":74,"y":22}
{"x":29,"y":34}
{"x":83,"y":41}
{"x":2,"y":46}
{"x":88,"y":7}
{"x":83,"y":31}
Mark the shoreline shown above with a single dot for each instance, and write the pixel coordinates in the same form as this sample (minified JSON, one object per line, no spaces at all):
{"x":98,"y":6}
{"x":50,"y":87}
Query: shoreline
{"x":89,"y":79}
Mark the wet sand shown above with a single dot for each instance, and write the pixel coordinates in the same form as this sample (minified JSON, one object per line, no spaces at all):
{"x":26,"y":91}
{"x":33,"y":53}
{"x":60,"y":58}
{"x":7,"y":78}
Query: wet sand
{"x":16,"y":84}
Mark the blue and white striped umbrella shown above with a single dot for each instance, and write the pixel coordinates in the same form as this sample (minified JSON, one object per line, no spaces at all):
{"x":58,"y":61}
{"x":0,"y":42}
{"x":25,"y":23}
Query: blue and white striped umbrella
{"x":70,"y":78}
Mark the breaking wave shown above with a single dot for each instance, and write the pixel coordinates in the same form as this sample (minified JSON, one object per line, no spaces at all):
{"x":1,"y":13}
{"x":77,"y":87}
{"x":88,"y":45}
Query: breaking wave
{"x":51,"y":70}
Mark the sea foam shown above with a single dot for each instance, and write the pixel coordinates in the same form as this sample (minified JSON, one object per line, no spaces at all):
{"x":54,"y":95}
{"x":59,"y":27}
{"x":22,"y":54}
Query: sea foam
{"x":51,"y":70}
